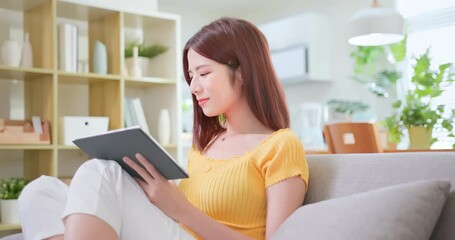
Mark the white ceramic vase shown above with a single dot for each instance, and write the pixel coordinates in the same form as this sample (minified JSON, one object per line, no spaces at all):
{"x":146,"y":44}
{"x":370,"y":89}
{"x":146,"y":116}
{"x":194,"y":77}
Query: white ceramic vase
{"x":11,"y":53}
{"x":164,"y":127}
{"x":9,"y":211}
{"x":99,"y":58}
{"x":27,"y":52}
{"x":136,"y":70}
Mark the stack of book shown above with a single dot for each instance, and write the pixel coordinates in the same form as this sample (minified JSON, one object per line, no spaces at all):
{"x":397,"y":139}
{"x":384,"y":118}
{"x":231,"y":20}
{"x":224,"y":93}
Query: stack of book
{"x":67,"y":47}
{"x":134,"y":114}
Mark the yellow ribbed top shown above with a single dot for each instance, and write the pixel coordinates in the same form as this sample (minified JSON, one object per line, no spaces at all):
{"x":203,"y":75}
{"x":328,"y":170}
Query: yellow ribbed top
{"x":233,"y":191}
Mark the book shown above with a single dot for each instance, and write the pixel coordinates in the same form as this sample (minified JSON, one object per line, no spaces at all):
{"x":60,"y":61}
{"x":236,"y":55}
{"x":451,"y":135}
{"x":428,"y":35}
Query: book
{"x":67,"y":47}
{"x":130,"y":121}
{"x":126,"y":142}
{"x":137,"y":115}
{"x":36,"y":121}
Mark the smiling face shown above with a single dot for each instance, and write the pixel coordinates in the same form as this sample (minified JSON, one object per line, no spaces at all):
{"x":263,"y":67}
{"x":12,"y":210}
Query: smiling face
{"x":212,"y":85}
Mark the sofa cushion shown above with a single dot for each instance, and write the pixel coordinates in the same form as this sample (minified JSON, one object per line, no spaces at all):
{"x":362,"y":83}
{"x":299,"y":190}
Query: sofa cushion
{"x":405,"y":211}
{"x":339,"y":175}
{"x":444,"y":229}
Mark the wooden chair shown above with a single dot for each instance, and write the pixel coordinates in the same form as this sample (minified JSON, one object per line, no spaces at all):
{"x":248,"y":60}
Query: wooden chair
{"x":352,"y":137}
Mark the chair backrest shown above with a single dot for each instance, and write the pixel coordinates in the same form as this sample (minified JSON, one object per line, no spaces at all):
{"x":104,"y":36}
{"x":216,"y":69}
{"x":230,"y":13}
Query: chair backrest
{"x":352,"y":137}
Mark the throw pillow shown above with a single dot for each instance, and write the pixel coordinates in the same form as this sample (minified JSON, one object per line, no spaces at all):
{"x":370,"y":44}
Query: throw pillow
{"x":405,"y":211}
{"x":444,"y":228}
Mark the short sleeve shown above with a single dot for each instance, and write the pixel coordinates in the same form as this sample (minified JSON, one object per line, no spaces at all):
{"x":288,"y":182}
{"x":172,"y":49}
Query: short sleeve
{"x":283,"y":158}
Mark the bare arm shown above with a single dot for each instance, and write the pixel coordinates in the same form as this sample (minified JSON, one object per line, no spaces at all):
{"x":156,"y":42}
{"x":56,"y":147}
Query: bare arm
{"x":283,"y":198}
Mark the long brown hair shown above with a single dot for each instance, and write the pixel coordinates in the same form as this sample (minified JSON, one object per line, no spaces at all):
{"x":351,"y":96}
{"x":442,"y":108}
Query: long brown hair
{"x":238,"y":43}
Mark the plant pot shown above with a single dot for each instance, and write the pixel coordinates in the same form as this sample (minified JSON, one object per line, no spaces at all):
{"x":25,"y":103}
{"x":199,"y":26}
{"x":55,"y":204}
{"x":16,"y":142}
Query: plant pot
{"x":143,"y":64}
{"x":419,"y":137}
{"x":9,"y":211}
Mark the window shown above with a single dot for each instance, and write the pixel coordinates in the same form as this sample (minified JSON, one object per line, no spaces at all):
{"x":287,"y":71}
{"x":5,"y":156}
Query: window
{"x":431,"y":24}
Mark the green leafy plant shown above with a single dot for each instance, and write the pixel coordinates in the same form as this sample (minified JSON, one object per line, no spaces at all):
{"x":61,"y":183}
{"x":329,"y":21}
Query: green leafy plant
{"x":12,"y":188}
{"x":347,"y":107}
{"x":416,"y":109}
{"x":144,"y":50}
{"x":375,"y":66}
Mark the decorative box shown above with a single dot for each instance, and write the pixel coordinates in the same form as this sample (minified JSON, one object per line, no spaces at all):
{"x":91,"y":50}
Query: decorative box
{"x":73,"y":127}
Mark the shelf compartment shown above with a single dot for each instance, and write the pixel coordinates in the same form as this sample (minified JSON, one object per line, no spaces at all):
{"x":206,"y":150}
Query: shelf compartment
{"x":80,"y":95}
{"x":67,"y":147}
{"x":94,"y":24}
{"x":78,"y":11}
{"x":39,"y":100}
{"x":106,"y":100}
{"x":20,"y":5}
{"x":154,"y":29}
{"x":9,"y":227}
{"x":24,"y":73}
{"x":25,"y":147}
{"x":154,"y":97}
{"x":170,"y":146}
{"x":69,"y":160}
{"x":36,"y":18}
{"x":39,"y":162}
{"x":33,"y":96}
{"x":38,"y":21}
{"x":147,"y":81}
{"x":67,"y":77}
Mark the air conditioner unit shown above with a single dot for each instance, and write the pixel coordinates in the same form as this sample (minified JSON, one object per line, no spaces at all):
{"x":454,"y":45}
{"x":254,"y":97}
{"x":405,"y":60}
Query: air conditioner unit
{"x":300,"y":46}
{"x":291,"y":64}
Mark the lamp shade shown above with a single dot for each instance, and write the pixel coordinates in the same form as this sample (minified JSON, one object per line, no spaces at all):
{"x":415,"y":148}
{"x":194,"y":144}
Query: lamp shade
{"x":375,"y":26}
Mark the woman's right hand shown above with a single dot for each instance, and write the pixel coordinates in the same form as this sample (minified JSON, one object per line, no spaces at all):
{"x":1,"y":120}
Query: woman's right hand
{"x":161,"y":192}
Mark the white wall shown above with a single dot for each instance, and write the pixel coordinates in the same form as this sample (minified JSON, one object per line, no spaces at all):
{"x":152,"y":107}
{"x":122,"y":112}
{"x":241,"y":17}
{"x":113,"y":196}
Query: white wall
{"x":341,"y":65}
{"x":191,"y":19}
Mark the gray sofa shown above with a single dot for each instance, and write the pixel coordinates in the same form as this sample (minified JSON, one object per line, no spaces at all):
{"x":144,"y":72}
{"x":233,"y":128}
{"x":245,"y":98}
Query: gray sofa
{"x":340,"y":182}
{"x":351,"y":179}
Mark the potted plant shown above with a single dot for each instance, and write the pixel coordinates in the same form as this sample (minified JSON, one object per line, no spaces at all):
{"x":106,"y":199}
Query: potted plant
{"x":377,"y":66}
{"x":415,"y":113}
{"x":346,"y":109}
{"x":10,"y":190}
{"x":144,"y":52}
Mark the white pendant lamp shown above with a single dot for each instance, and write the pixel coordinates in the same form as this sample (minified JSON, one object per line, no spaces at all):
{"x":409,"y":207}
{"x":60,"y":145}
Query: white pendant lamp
{"x":375,"y":26}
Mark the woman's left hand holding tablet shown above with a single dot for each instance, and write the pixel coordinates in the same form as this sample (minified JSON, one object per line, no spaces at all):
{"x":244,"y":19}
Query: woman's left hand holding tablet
{"x":161,"y":192}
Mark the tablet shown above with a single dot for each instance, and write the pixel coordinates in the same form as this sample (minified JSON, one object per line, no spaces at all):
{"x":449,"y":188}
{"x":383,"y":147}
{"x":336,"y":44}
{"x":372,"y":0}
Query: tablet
{"x":116,"y":144}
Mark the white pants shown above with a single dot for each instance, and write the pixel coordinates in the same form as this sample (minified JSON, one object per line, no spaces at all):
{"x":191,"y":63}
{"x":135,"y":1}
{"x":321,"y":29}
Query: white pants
{"x":99,"y":188}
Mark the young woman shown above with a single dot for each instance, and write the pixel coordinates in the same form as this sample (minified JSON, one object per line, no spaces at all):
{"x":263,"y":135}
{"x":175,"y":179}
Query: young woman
{"x":247,"y":170}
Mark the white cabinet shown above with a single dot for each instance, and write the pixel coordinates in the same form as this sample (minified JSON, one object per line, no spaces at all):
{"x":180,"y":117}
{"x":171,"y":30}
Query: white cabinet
{"x":288,"y":36}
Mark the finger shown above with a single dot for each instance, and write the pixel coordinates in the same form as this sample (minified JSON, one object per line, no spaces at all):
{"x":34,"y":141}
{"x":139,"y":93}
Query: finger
{"x":140,"y":170}
{"x":150,"y":168}
{"x":141,"y":183}
{"x":144,"y":187}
